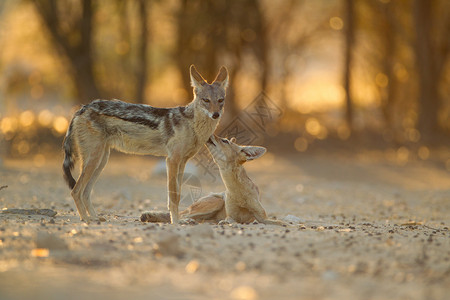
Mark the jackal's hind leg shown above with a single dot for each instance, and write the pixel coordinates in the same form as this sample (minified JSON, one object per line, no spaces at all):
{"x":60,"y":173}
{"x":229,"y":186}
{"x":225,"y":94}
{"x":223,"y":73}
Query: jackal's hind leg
{"x":92,"y":181}
{"x":81,"y":191}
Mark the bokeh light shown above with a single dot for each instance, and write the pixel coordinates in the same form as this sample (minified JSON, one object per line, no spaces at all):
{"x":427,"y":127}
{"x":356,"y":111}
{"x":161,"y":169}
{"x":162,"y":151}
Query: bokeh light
{"x":60,"y":124}
{"x":45,"y":118}
{"x":26,"y":118}
{"x":336,"y":23}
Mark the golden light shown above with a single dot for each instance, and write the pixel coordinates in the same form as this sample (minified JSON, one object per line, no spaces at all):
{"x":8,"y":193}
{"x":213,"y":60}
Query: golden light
{"x":40,"y":252}
{"x":23,"y":147}
{"x":244,"y":293}
{"x":336,"y":23}
{"x":301,"y":144}
{"x":26,"y":118}
{"x":45,"y":118}
{"x":401,"y":73}
{"x":192,"y":266}
{"x":8,"y":125}
{"x":60,"y":124}
{"x":413,"y":135}
{"x":240,"y":266}
{"x":39,"y":160}
{"x":317,"y":94}
{"x":423,"y":153}
{"x":402,"y":155}
{"x":313,"y":126}
{"x":381,"y":80}
{"x":323,"y":133}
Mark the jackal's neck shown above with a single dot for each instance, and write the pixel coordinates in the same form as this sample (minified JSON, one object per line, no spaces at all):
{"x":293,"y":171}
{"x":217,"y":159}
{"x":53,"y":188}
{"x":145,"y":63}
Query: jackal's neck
{"x":204,"y":126}
{"x":237,"y":181}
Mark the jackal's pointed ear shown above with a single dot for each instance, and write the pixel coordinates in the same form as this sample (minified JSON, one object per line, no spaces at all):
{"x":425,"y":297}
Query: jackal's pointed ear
{"x":253,"y":152}
{"x":222,"y":78}
{"x":196,"y":79}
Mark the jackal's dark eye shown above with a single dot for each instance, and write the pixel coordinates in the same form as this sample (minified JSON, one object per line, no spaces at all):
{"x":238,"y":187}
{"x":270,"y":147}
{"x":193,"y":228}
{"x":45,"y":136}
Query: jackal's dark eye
{"x":220,"y":100}
{"x":225,"y":141}
{"x":206,"y":100}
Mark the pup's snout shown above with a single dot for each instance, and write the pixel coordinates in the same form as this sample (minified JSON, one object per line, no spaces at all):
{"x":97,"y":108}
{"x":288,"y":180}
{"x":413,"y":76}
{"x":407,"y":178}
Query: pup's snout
{"x":215,"y":115}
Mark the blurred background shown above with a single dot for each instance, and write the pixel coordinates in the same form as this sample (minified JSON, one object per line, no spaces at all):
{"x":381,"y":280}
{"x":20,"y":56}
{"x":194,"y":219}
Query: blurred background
{"x":344,"y":74}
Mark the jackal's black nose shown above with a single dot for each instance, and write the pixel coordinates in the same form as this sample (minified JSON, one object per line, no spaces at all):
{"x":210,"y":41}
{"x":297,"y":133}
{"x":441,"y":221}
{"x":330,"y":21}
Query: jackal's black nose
{"x":215,"y":115}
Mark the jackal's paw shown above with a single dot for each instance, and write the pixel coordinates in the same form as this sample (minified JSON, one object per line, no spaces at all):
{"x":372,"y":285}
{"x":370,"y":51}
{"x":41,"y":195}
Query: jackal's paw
{"x":223,"y":222}
{"x":187,"y":221}
{"x":227,"y":221}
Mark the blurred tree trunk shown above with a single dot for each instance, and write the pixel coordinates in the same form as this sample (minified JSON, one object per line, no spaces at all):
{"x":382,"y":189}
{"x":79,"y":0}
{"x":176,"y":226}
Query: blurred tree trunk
{"x":209,"y":31}
{"x":430,"y":59}
{"x":349,"y":39}
{"x":182,"y":47}
{"x":262,"y":47}
{"x":141,"y":71}
{"x":75,"y":41}
{"x":388,"y":64}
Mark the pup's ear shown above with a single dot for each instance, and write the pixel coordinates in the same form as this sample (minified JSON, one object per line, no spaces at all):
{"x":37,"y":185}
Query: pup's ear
{"x":253,"y":152}
{"x":222,"y":78}
{"x":197,"y":80}
{"x":233,"y":140}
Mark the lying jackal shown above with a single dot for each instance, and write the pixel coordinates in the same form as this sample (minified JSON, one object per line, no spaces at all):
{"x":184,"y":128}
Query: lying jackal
{"x":240,"y":202}
{"x":177,"y":133}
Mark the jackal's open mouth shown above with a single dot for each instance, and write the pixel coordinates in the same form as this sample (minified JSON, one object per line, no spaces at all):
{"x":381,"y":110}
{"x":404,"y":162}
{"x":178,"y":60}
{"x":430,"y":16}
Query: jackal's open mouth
{"x":210,"y":141}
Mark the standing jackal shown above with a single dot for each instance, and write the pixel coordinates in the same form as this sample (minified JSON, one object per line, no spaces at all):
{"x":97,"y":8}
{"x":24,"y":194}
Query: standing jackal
{"x":177,"y":133}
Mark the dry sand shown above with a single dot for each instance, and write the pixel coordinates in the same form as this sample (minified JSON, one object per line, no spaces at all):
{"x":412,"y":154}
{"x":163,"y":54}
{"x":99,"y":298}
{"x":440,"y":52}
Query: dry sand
{"x":370,"y":229}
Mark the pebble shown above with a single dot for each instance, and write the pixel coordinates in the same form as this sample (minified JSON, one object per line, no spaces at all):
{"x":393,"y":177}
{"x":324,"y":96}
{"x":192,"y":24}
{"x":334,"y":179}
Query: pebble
{"x":292,"y":219}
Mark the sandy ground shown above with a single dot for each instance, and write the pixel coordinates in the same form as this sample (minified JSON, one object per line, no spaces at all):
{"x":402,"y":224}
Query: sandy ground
{"x":369,"y":229}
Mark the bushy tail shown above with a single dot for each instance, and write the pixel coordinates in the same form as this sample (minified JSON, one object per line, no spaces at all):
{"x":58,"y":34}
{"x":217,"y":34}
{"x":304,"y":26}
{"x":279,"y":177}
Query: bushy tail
{"x":69,"y":157}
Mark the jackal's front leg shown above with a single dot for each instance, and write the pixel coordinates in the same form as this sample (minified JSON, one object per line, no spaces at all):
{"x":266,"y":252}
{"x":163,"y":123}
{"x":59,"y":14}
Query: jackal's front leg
{"x":173,"y":165}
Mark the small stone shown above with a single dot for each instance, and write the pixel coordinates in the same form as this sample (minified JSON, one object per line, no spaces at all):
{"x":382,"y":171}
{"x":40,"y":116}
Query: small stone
{"x":292,"y":219}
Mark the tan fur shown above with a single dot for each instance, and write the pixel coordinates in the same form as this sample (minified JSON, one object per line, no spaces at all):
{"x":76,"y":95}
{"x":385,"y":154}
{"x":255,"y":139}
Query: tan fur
{"x":210,"y":208}
{"x":177,"y":133}
{"x":240,"y":202}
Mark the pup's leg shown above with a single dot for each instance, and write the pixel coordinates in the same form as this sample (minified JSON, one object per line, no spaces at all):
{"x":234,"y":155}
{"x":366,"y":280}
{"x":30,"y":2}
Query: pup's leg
{"x":261,"y":216}
{"x":173,"y":166}
{"x":208,"y":208}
